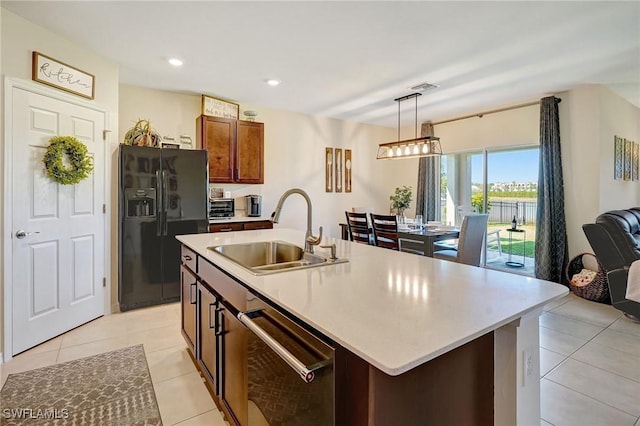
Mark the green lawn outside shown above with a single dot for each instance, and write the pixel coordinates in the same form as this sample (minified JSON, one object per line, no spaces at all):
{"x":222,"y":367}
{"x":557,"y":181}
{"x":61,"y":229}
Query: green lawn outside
{"x":516,"y":244}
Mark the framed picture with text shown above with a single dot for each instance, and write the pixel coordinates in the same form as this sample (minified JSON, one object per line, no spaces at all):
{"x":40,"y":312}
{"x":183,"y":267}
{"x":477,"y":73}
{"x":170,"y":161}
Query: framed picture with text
{"x":214,"y":107}
{"x":54,"y":73}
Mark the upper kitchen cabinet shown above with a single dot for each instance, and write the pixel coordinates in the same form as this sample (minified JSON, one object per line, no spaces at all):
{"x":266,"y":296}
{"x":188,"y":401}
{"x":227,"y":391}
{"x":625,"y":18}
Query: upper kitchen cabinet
{"x":236,"y":149}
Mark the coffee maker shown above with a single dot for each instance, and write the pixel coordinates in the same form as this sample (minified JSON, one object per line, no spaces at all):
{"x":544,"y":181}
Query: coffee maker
{"x":254,"y":205}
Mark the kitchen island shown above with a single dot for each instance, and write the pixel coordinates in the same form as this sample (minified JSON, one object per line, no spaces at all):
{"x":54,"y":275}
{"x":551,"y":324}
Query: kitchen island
{"x":420,"y":333}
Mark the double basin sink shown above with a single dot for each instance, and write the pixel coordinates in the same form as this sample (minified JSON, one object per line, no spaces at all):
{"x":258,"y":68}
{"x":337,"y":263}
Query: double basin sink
{"x":268,"y":257}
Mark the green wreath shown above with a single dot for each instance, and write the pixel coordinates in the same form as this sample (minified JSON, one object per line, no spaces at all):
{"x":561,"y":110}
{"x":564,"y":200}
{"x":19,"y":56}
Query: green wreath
{"x":79,"y":163}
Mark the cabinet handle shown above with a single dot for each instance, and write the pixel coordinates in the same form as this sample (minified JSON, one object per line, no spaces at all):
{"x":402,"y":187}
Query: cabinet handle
{"x":220,"y":321}
{"x":214,"y":315}
{"x":226,"y":229}
{"x":193,"y":302}
{"x":306,"y":373}
{"x":187,"y":258}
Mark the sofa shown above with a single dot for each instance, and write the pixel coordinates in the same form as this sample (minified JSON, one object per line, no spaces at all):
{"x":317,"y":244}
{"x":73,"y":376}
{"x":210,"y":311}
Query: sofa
{"x":615,"y":240}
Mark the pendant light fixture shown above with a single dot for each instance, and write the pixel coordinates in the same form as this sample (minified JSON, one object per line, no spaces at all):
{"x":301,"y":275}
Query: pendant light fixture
{"x":426,"y":146}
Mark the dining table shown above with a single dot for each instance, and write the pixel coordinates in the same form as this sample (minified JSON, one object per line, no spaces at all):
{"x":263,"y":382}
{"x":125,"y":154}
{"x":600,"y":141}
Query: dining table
{"x":421,"y":241}
{"x":415,"y":240}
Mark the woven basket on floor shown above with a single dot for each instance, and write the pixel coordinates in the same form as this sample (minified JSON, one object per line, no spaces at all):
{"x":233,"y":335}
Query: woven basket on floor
{"x":596,"y":290}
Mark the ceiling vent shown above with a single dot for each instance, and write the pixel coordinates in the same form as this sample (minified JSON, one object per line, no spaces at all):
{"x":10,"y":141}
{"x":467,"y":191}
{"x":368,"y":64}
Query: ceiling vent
{"x":423,"y":87}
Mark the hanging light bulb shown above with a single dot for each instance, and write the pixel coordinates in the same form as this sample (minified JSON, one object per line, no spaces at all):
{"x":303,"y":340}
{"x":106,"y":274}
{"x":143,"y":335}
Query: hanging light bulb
{"x":407,"y":151}
{"x":415,"y":149}
{"x":398,"y":151}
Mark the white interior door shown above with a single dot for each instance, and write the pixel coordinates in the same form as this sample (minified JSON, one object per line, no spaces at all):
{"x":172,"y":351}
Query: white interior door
{"x":58,"y":266}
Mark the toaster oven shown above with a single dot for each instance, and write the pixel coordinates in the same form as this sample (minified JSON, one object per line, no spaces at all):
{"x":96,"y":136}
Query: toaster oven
{"x":220,"y":208}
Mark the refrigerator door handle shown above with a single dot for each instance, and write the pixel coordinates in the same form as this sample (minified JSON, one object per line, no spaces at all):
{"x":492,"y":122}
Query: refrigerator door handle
{"x":165,"y":201}
{"x":159,"y":207}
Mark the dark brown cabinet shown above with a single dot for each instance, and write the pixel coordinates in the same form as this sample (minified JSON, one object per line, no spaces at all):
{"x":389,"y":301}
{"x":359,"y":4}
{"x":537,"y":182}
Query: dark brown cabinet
{"x":188,"y":283}
{"x":234,"y":393}
{"x":209,"y":332}
{"x":236,"y":149}
{"x":261,"y":224}
{"x":241,"y":226}
{"x":227,"y":227}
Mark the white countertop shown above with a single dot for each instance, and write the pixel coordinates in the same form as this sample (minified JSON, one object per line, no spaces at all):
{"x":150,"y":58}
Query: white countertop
{"x":394,"y":310}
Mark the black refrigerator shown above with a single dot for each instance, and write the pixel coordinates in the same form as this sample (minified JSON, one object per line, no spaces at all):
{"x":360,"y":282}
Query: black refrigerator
{"x":162,"y":193}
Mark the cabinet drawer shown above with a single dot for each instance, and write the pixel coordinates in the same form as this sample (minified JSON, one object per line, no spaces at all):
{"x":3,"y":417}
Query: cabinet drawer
{"x":262,"y":224}
{"x":226,"y":227}
{"x":225,"y":286}
{"x":188,"y":258}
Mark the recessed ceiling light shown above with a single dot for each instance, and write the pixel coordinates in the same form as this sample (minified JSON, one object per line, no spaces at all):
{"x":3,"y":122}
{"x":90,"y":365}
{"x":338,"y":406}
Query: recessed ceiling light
{"x":175,"y":62}
{"x":272,"y":82}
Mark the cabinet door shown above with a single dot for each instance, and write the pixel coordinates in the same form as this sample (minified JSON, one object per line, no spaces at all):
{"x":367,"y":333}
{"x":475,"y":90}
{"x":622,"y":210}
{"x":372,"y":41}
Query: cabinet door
{"x":188,"y":290}
{"x":209,"y":330}
{"x":234,"y":383}
{"x":227,"y":227}
{"x":250,"y":152}
{"x":261,"y":224}
{"x":218,"y":138}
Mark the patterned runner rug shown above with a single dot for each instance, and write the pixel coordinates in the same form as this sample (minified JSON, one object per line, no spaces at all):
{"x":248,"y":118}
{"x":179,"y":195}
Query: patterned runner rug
{"x":113,"y":388}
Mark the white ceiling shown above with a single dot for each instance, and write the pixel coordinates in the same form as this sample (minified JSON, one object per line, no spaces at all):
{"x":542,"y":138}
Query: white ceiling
{"x":350,"y":60}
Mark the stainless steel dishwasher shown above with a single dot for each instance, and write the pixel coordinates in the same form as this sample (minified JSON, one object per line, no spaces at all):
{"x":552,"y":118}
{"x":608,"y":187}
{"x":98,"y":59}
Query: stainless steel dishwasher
{"x":290,"y":371}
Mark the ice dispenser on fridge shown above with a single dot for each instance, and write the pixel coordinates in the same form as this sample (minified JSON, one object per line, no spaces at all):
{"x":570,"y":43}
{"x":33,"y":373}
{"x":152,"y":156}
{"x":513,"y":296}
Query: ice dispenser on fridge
{"x":140,"y":202}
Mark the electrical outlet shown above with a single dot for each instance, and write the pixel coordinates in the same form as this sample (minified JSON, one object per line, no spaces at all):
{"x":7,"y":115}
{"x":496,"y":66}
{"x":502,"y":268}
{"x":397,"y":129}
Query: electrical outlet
{"x":527,"y":367}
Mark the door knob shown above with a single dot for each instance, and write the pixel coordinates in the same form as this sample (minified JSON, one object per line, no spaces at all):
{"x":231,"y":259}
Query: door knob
{"x":21,"y":234}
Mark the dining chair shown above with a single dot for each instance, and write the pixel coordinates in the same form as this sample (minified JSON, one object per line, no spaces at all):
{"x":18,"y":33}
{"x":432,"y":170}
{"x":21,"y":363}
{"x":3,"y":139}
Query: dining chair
{"x":358,"y":226}
{"x":367,"y":210}
{"x":470,"y":242}
{"x":493,"y":235}
{"x":385,"y":231}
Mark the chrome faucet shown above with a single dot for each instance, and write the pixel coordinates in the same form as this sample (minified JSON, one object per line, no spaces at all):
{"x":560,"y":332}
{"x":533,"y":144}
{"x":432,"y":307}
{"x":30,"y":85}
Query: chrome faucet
{"x":309,"y":239}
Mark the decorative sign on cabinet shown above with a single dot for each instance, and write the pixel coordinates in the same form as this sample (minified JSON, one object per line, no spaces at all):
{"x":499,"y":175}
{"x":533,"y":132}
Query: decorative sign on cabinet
{"x":218,"y":108}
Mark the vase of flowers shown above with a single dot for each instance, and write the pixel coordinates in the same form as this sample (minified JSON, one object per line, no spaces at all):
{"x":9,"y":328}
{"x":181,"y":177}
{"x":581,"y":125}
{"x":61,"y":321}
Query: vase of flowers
{"x":401,"y":200}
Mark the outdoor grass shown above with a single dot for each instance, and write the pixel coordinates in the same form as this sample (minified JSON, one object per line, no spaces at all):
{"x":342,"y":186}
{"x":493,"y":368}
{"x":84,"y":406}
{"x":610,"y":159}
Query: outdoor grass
{"x":515,"y":248}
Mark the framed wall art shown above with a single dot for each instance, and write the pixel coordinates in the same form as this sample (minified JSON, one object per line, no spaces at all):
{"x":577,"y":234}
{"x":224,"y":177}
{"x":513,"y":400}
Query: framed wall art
{"x":628,"y":159}
{"x":328,"y":166}
{"x":347,"y":170}
{"x":618,"y":159}
{"x":634,"y":162}
{"x":218,"y":108}
{"x":54,"y":73}
{"x":338,"y":162}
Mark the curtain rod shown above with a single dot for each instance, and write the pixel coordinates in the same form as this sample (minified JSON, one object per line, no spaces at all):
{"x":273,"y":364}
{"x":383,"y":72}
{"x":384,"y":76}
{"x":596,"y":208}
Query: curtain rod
{"x":481,"y":114}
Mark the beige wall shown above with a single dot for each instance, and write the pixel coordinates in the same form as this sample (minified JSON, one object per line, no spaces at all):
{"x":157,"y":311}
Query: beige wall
{"x":515,"y":127}
{"x":19,"y":38}
{"x":294,"y":156}
{"x":590,"y":118}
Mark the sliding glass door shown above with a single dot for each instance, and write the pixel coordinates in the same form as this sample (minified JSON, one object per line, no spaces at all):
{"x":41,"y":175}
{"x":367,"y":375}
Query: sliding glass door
{"x":502,"y":183}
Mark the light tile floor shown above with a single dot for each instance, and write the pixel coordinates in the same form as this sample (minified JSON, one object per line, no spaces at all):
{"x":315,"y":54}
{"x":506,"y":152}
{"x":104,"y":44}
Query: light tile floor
{"x":182,"y":396}
{"x":590,"y":362}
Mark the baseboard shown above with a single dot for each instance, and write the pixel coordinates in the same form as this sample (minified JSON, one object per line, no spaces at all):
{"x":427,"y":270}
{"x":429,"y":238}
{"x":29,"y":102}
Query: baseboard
{"x":115,"y":308}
